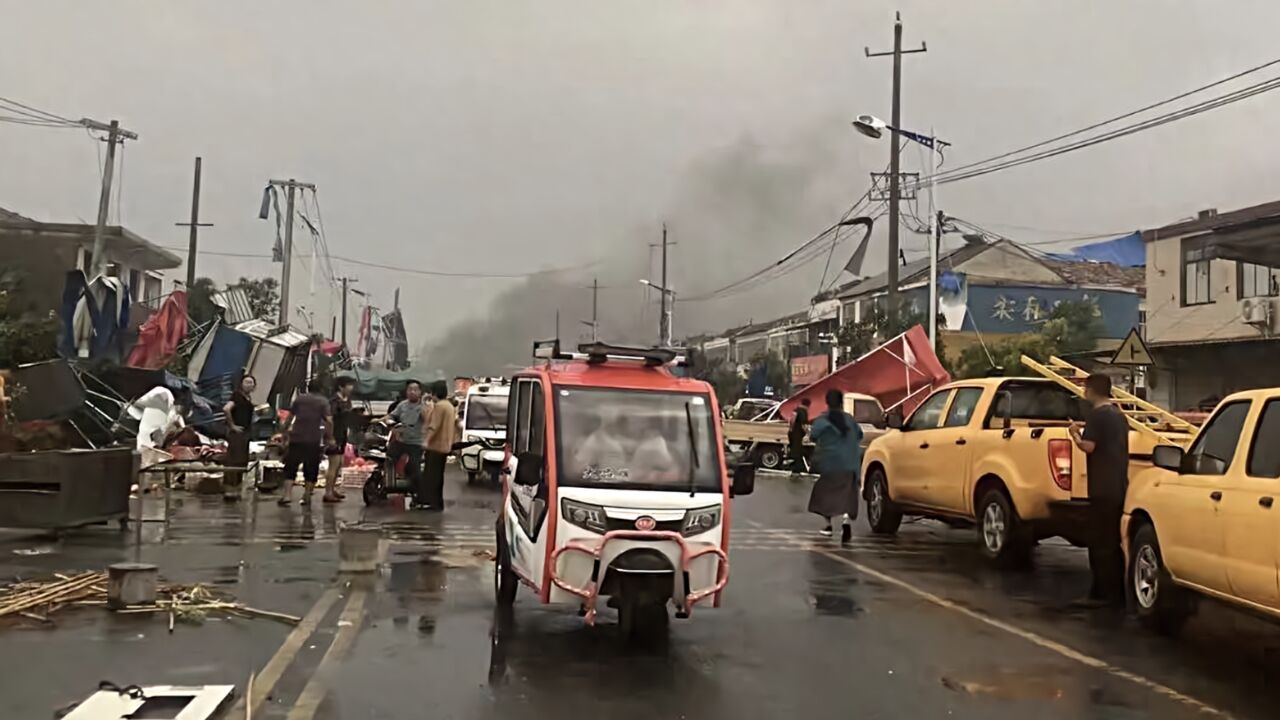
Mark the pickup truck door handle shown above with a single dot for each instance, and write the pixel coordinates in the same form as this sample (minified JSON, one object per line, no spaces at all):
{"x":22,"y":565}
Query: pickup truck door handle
{"x":924,"y":445}
{"x":1216,"y":495}
{"x":961,"y":441}
{"x":1265,"y":501}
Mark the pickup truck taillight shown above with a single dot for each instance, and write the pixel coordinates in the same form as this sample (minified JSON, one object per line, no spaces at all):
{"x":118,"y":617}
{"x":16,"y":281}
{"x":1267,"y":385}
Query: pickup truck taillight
{"x":1060,"y":463}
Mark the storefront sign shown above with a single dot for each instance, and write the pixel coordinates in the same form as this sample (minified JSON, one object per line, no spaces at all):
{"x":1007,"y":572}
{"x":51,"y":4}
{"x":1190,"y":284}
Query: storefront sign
{"x":808,"y":369}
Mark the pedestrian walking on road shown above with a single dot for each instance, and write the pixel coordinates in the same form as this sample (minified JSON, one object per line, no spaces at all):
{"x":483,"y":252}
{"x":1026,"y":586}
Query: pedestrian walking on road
{"x":310,"y":429}
{"x":411,"y":414}
{"x":837,"y":456}
{"x":239,"y":417}
{"x":795,"y":437}
{"x":442,"y":424}
{"x":1105,"y":442}
{"x":343,"y":414}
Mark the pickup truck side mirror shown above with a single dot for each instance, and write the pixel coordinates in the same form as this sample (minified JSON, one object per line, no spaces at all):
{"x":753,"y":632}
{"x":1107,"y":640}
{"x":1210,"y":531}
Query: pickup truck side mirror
{"x":1168,"y":457}
{"x":744,"y":479}
{"x":893,"y":419}
{"x":529,"y":469}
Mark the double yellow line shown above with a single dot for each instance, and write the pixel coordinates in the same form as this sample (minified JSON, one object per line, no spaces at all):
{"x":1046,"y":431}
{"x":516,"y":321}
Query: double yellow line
{"x":316,"y":688}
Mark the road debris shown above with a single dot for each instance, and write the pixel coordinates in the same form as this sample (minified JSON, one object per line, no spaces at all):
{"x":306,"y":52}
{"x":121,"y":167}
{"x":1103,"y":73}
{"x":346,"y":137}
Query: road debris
{"x":38,"y":599}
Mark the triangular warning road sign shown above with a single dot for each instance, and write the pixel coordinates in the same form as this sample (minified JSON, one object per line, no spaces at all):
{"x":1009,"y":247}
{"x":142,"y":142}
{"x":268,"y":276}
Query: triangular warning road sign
{"x":1132,"y":351}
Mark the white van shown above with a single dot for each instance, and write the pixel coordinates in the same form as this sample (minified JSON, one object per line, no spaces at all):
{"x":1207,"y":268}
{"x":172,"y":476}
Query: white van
{"x":484,"y":422}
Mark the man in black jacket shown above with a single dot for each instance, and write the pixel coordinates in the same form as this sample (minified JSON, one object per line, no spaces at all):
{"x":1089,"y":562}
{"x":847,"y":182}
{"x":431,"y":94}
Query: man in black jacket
{"x":795,"y":437}
{"x":1105,"y":442}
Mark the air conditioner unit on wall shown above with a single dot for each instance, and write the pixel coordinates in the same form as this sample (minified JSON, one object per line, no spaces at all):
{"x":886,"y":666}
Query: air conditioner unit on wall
{"x":1256,"y":311}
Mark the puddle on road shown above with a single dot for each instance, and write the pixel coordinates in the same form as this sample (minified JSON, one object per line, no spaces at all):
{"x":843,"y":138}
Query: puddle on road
{"x":1011,"y":685}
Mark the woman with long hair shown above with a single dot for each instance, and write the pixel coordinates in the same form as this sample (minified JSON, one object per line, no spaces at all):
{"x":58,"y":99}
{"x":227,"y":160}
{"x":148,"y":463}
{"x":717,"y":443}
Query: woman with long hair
{"x":837,"y":457}
{"x":239,"y":418}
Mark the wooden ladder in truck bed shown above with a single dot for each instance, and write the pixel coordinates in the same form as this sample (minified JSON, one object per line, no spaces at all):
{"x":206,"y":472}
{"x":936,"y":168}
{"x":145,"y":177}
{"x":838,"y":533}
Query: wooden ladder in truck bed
{"x":1155,"y":422}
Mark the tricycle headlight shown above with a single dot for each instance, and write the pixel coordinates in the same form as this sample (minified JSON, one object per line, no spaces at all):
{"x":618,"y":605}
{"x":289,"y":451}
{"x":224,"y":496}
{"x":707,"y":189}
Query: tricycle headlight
{"x":700,"y":520}
{"x":587,"y":517}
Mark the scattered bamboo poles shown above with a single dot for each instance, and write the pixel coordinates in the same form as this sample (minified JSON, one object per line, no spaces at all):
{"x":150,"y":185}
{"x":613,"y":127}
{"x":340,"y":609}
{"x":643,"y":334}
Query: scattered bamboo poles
{"x":37,"y":599}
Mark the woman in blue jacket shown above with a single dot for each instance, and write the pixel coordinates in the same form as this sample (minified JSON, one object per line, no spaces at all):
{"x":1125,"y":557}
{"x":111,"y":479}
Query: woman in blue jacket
{"x":837,"y":457}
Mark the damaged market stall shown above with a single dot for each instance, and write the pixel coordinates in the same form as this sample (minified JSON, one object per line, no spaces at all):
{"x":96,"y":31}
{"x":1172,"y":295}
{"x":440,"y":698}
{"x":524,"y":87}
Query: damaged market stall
{"x":57,"y":472}
{"x":276,"y":356}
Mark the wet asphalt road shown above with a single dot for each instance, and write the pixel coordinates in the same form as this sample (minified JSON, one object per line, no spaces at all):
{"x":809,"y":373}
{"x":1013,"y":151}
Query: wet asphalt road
{"x":912,"y":627}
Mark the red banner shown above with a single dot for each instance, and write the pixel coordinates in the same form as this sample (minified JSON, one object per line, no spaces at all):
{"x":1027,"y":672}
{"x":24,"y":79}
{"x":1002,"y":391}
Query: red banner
{"x":808,"y":369}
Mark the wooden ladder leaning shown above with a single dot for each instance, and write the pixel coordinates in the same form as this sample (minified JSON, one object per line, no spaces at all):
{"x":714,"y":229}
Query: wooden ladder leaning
{"x":1160,"y":425}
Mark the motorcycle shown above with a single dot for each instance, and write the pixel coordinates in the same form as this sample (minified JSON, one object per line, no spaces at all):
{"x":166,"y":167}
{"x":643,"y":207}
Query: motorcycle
{"x":387,"y":477}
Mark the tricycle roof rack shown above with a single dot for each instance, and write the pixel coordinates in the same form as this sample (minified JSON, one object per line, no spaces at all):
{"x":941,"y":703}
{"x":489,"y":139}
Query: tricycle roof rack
{"x":596,"y":353}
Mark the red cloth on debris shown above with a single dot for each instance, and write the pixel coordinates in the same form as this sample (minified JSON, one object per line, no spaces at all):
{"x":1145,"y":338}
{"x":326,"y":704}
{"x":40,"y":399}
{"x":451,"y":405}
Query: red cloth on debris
{"x":900,"y":374}
{"x":159,"y":336}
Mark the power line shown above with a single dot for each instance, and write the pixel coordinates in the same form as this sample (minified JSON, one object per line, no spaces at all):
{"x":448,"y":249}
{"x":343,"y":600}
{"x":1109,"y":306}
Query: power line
{"x":411,"y":271}
{"x":1190,"y":111}
{"x":37,"y":113}
{"x":1117,"y":118}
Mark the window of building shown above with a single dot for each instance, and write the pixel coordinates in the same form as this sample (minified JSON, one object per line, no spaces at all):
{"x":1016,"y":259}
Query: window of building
{"x":1255,"y":281}
{"x":136,"y":289}
{"x":153,"y":288}
{"x":1196,"y":288}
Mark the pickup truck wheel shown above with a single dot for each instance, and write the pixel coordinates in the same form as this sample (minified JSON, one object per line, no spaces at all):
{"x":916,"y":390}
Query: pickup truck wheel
{"x":1159,"y":603}
{"x":769,"y":457}
{"x":882,"y":515}
{"x":1000,"y":532}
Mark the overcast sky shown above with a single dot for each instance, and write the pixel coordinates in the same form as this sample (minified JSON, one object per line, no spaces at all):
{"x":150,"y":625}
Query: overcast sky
{"x":509,"y":135}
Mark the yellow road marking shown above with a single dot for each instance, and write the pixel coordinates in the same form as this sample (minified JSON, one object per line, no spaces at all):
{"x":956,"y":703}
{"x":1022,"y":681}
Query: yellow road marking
{"x":266,"y":680}
{"x":1029,"y":636}
{"x":317,"y":687}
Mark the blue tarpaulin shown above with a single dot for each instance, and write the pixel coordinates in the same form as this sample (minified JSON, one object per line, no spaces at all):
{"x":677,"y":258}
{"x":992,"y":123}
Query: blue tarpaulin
{"x":1127,"y":251}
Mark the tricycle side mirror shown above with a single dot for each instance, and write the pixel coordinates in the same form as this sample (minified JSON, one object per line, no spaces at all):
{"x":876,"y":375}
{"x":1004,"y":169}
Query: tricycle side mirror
{"x":1168,"y":457}
{"x":744,"y":479}
{"x":893,"y":419}
{"x":528,"y":469}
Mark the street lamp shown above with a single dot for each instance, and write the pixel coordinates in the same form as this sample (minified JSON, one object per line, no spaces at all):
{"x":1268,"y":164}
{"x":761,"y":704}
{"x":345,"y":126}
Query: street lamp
{"x":873,"y":127}
{"x":667,"y":307}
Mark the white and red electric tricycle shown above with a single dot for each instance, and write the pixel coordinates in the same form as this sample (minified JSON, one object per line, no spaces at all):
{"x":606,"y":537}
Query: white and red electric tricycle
{"x":615,"y":486}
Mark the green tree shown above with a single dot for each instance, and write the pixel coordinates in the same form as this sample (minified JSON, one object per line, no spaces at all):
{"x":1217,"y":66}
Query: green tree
{"x":24,"y":337}
{"x":200,"y":305}
{"x":263,"y":294}
{"x":1072,"y":327}
{"x":879,"y":325}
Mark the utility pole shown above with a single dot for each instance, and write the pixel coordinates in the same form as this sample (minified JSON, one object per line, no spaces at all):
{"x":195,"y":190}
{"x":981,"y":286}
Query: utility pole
{"x":345,"y":288}
{"x":668,"y":303}
{"x":291,"y":188}
{"x":895,"y":151}
{"x":195,"y":224}
{"x":115,"y":136}
{"x":594,"y":322}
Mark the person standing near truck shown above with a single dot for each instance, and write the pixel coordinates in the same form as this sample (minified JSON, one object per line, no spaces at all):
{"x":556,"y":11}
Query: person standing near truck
{"x":837,"y":456}
{"x":1104,"y":439}
{"x":795,"y":437}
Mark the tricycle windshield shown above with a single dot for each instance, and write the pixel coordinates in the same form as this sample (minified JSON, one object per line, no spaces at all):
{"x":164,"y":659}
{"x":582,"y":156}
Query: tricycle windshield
{"x":487,"y":412}
{"x":636,"y":439}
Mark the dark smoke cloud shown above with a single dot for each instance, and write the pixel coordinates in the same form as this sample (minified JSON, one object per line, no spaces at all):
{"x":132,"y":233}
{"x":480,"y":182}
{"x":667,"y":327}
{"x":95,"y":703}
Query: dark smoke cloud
{"x":735,"y":211}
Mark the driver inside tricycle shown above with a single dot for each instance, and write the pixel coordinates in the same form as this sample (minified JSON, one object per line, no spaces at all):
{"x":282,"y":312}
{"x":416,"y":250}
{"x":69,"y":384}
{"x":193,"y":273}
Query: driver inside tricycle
{"x":615,"y":486}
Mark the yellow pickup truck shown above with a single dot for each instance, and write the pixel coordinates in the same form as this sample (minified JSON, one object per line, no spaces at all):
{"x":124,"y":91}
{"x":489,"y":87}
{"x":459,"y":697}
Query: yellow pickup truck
{"x":1204,"y":521}
{"x":992,"y":452}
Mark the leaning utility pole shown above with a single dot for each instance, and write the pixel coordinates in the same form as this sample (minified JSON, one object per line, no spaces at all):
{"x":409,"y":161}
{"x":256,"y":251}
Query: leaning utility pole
{"x":291,"y":188}
{"x":345,"y":287}
{"x":895,"y":150}
{"x":115,"y":136}
{"x":195,"y":224}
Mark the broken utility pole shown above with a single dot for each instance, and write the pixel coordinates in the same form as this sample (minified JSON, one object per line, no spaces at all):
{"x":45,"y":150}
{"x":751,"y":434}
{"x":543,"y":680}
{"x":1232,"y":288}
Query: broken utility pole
{"x":291,"y":188}
{"x":116,"y":135}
